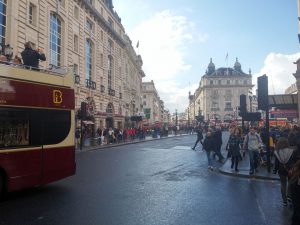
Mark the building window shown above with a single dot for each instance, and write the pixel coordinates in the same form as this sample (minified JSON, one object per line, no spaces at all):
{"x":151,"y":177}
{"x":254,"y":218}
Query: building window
{"x":101,"y":106}
{"x":76,"y":12}
{"x":228,"y":81}
{"x":144,"y":103}
{"x":101,"y":59}
{"x":62,"y":2}
{"x":55,"y":40}
{"x":89,"y":25}
{"x":75,"y":43}
{"x":2,"y":21}
{"x":32,"y":14}
{"x":75,"y":69}
{"x":110,"y":45}
{"x":211,"y":82}
{"x":88,"y":59}
{"x":245,"y":81}
{"x":101,"y":35}
{"x":110,"y":71}
{"x":144,"y":96}
{"x":228,"y":92}
{"x":219,"y":82}
{"x":111,"y":23}
{"x":228,"y":105}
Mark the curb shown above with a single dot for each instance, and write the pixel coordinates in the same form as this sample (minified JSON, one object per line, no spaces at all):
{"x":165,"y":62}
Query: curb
{"x":254,"y":176}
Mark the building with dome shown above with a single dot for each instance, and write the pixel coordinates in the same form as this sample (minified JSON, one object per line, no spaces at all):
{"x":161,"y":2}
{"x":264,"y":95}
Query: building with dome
{"x":218,"y":94}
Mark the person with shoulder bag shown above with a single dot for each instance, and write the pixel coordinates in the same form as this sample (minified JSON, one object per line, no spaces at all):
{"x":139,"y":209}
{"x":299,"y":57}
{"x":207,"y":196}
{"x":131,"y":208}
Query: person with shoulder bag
{"x":284,"y":161}
{"x":252,"y":142}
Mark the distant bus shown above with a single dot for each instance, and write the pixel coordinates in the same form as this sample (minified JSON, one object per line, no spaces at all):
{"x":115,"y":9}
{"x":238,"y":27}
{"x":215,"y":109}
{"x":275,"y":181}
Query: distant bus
{"x":36,"y":127}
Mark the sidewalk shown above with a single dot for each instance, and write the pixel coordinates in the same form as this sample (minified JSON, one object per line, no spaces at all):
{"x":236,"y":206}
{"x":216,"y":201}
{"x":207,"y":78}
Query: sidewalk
{"x":244,"y":166}
{"x":103,"y":146}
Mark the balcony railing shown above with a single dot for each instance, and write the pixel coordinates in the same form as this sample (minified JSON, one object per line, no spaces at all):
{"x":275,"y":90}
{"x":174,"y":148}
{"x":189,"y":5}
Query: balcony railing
{"x":102,"y":88}
{"x":77,"y":79}
{"x":215,"y":109}
{"x":111,"y":92}
{"x":228,"y":109}
{"x":90,"y":84}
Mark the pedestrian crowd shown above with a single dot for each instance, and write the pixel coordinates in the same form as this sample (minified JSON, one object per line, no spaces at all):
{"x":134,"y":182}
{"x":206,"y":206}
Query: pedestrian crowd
{"x":284,"y":155}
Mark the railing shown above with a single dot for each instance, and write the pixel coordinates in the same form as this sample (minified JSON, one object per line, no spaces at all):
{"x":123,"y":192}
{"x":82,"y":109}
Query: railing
{"x":228,"y":109}
{"x":215,"y":109}
{"x":51,"y":69}
{"x":90,"y":84}
{"x":111,"y":92}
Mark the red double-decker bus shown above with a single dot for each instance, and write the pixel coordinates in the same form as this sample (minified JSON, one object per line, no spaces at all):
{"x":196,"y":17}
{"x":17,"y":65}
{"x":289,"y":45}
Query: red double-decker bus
{"x":36,"y":127}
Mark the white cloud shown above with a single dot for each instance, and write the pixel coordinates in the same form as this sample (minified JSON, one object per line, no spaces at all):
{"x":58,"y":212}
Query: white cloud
{"x":279,"y":68}
{"x":164,"y":41}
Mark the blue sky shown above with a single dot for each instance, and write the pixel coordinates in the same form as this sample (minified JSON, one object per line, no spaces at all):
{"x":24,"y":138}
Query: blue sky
{"x":177,"y":38}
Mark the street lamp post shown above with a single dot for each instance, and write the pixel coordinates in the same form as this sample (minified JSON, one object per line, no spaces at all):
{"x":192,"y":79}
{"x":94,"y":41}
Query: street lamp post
{"x":176,"y":121}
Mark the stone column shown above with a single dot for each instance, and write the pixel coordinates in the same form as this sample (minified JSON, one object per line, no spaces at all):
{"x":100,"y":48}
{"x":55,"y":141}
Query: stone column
{"x":297,"y":76}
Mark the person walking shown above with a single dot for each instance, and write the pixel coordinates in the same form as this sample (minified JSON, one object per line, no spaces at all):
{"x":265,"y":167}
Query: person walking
{"x":217,"y":135}
{"x":251,"y":143}
{"x":31,"y":57}
{"x":234,"y":143}
{"x":199,"y":137}
{"x":284,"y":160}
{"x":209,"y":146}
{"x":294,"y":186}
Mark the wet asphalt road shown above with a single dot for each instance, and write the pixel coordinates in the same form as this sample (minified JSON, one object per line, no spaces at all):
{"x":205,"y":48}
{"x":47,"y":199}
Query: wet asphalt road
{"x":159,"y":182}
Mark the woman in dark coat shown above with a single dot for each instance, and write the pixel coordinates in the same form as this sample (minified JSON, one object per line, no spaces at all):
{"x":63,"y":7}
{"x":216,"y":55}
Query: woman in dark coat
{"x":209,"y":146}
{"x":295,"y":193}
{"x":234,"y":146}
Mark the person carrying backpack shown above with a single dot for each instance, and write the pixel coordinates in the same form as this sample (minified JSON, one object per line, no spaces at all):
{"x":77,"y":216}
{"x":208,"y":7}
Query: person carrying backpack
{"x":251,"y":143}
{"x":284,"y":161}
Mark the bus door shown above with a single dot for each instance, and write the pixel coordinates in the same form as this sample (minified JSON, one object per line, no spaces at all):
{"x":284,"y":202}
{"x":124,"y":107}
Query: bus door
{"x":58,"y":154}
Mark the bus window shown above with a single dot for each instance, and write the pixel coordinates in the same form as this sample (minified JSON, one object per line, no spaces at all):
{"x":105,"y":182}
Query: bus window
{"x":14,"y":128}
{"x":57,"y":125}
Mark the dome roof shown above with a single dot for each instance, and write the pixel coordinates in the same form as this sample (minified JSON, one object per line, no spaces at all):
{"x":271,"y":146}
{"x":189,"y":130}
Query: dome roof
{"x":211,"y":67}
{"x":237,"y":65}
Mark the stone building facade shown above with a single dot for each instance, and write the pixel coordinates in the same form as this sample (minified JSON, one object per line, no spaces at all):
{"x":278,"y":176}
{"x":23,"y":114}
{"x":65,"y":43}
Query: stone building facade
{"x":88,"y":37}
{"x":218,"y":94}
{"x":151,"y":103}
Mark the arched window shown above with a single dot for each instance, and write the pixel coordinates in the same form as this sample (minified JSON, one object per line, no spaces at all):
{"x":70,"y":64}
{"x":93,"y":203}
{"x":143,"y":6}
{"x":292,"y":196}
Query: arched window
{"x":2,"y":21}
{"x":55,"y":40}
{"x":88,"y":59}
{"x":110,"y":71}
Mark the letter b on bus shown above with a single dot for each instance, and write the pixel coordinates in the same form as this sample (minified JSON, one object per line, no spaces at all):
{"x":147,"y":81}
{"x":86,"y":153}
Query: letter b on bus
{"x":57,"y":97}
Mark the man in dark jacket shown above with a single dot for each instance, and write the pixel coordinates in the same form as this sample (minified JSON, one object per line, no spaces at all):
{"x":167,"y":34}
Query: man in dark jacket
{"x":31,"y":57}
{"x":199,"y":136}
{"x":217,"y":135}
{"x":209,"y":146}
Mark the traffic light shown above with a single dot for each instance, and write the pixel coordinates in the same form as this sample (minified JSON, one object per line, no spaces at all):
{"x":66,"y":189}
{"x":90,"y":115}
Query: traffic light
{"x":262,"y":92}
{"x":83,"y":110}
{"x":243,"y":104}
